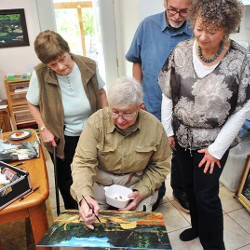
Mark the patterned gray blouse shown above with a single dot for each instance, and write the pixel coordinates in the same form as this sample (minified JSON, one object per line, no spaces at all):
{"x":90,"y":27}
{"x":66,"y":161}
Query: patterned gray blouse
{"x":201,"y":106}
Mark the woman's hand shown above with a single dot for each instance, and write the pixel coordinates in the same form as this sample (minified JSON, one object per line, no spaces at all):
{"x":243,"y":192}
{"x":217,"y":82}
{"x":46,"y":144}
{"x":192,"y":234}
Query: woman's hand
{"x":87,"y":214}
{"x":48,"y":137}
{"x":171,"y":142}
{"x":208,"y":160}
{"x":137,"y":197}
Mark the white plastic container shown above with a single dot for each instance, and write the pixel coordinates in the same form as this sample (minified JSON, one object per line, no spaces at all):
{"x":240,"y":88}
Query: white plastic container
{"x":117,"y":195}
{"x":230,"y":176}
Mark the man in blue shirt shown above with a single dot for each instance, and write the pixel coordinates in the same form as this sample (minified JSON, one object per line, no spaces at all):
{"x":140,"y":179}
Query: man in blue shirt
{"x":154,"y":40}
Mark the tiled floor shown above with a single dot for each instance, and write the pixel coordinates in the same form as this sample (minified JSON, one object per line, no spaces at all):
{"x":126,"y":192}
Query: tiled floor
{"x":236,"y":222}
{"x":236,"y":218}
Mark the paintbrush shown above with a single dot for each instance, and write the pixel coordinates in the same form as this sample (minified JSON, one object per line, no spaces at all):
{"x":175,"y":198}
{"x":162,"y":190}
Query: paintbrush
{"x":18,"y":164}
{"x":93,"y":212}
{"x":32,"y":191}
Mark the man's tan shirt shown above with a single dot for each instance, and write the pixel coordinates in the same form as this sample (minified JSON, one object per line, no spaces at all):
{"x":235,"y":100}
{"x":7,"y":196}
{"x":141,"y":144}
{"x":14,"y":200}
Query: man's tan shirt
{"x":101,"y":145}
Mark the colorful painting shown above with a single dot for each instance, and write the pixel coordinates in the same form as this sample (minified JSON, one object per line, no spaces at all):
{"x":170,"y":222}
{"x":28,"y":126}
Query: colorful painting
{"x":13,"y":29}
{"x":18,"y":151}
{"x":123,"y":230}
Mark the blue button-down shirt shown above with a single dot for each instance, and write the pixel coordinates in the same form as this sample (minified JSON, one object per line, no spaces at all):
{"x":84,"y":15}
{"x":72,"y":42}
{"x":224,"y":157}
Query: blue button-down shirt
{"x":152,"y":44}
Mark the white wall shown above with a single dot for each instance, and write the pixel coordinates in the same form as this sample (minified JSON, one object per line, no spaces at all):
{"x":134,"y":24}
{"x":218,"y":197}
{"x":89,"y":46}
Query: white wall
{"x":244,"y":34}
{"x":19,"y":59}
{"x":107,"y":23}
{"x":46,"y":15}
{"x":129,"y":14}
{"x":149,"y":7}
{"x":127,"y":20}
{"x":39,"y":16}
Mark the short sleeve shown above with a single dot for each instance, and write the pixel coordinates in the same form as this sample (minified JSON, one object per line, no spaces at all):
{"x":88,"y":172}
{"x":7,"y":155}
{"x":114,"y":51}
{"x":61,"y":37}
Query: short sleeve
{"x":134,"y":53}
{"x":166,"y":76}
{"x":244,"y":88}
{"x":34,"y":91}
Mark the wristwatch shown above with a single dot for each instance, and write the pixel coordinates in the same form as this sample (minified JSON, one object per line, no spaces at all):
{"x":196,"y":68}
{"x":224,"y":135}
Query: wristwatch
{"x":42,"y":128}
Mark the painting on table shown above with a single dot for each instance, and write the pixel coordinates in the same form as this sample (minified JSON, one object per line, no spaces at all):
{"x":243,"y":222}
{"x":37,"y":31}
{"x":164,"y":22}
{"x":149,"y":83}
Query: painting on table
{"x":123,"y":230}
{"x":18,"y":151}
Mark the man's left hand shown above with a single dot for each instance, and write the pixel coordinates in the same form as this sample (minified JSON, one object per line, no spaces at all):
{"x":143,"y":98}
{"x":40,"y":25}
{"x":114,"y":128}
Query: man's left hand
{"x":137,"y":197}
{"x":208,"y":160}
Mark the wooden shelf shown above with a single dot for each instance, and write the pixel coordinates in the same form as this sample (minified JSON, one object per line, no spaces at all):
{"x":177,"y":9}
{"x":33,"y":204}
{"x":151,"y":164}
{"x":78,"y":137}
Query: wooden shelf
{"x":23,"y":121}
{"x":18,"y":102}
{"x":20,"y":111}
{"x":5,"y":117}
{"x":16,"y":93}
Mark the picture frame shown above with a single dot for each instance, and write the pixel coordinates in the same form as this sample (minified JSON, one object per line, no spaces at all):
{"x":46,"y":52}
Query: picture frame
{"x":243,"y":192}
{"x":13,"y":29}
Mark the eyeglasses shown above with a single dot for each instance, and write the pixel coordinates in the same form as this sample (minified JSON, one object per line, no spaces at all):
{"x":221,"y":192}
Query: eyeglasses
{"x":174,"y":12}
{"x":128,"y":117}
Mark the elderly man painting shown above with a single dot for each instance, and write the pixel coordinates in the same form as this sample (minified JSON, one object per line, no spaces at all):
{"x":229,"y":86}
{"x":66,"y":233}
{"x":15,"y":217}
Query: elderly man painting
{"x":122,"y":145}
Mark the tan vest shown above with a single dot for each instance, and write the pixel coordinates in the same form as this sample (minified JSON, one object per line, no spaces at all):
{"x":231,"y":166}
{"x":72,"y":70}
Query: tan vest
{"x":50,"y":103}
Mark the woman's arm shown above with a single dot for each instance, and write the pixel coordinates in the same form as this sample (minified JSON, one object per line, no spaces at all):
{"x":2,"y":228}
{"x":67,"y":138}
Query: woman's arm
{"x":47,"y":136}
{"x":166,"y":119}
{"x":228,"y":132}
{"x":34,"y":110}
{"x":166,"y":114}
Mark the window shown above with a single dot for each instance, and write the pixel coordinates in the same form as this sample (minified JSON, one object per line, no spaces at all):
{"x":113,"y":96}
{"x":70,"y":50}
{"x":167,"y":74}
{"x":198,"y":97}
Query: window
{"x":75,"y":21}
{"x":89,"y":28}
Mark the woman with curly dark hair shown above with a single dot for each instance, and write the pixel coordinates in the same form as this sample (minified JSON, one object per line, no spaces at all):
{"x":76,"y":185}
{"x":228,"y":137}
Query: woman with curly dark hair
{"x":206,"y":92}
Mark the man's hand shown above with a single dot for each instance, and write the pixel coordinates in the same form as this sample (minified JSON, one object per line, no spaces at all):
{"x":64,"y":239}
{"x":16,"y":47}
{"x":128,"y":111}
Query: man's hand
{"x":209,"y":160}
{"x":136,"y":196}
{"x":48,"y":137}
{"x":87,"y":214}
{"x":171,"y":142}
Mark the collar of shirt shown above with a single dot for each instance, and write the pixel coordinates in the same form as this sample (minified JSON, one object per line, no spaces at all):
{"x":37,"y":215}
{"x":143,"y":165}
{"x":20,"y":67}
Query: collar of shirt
{"x":183,"y":29}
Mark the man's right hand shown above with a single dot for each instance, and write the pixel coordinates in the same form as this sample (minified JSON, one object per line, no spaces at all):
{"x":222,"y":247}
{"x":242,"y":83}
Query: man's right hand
{"x":88,"y":214}
{"x":137,"y":198}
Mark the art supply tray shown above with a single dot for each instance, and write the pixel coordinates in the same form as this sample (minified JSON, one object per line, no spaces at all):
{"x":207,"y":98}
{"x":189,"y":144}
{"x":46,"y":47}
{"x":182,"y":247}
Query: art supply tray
{"x":15,"y":189}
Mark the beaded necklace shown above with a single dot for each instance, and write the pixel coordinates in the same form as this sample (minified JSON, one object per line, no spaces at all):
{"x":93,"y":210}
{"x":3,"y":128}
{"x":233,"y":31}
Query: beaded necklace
{"x":212,"y":58}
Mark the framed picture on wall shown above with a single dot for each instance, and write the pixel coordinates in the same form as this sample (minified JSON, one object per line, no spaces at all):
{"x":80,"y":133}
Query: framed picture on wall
{"x":13,"y":29}
{"x":243,"y":193}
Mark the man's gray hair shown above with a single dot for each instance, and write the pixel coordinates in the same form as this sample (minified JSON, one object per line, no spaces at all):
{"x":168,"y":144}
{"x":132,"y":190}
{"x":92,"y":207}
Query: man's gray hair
{"x":124,"y":92}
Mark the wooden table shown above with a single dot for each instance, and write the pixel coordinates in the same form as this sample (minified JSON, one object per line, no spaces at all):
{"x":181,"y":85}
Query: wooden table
{"x":33,"y":206}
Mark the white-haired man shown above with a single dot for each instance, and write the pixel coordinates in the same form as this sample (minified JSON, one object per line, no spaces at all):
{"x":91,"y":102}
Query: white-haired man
{"x":121,"y":144}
